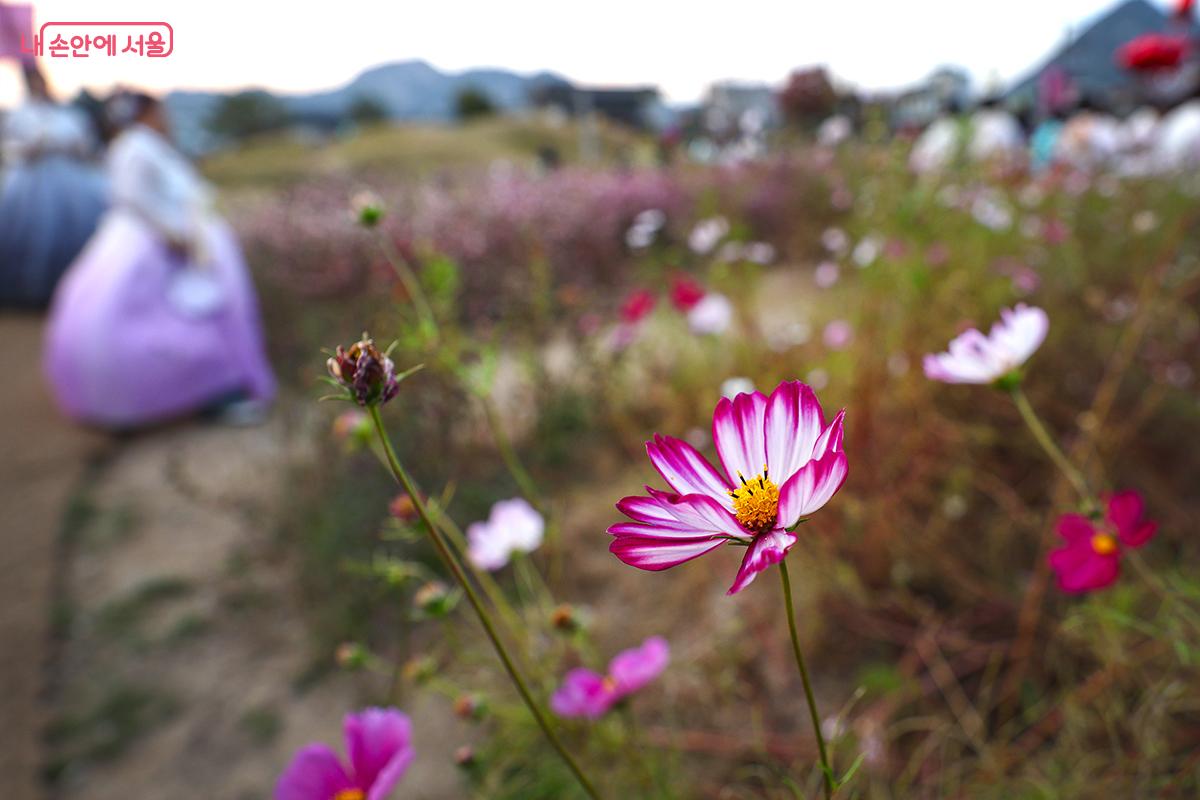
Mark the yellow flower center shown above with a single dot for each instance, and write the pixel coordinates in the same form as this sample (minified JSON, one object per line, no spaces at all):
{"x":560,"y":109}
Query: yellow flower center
{"x":350,"y":794}
{"x":609,"y":684}
{"x":756,"y":502}
{"x":1104,"y":544}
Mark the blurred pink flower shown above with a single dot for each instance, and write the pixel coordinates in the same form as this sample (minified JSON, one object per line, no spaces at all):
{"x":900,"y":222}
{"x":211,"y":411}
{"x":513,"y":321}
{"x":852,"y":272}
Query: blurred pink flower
{"x":826,"y":274}
{"x":938,"y":255}
{"x":379,"y":748}
{"x":512,"y":526}
{"x":685,"y":292}
{"x":975,"y":358}
{"x":1091,"y":557}
{"x":638,"y":305}
{"x":588,"y":694}
{"x":1054,"y":231}
{"x":838,"y":334}
{"x":782,"y":463}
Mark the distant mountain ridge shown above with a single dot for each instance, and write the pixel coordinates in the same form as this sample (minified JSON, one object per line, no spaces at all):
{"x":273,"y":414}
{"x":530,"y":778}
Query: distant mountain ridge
{"x":408,"y":90}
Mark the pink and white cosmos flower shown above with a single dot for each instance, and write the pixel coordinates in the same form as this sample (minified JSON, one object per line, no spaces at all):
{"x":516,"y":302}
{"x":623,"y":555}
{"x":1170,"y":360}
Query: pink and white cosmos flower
{"x":379,"y":748}
{"x":589,"y":694}
{"x":975,"y":358}
{"x":781,"y":464}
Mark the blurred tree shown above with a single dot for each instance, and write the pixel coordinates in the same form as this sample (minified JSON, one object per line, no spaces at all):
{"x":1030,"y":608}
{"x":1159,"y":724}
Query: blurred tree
{"x":808,"y":97}
{"x":368,"y":110}
{"x":248,"y":113}
{"x":472,"y":103}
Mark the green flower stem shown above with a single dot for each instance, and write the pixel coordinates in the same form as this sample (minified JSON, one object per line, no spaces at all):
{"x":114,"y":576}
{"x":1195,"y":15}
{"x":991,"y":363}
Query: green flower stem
{"x":412,"y":284}
{"x":1048,"y":444}
{"x":826,"y":769}
{"x":484,"y":618}
{"x":509,"y":455}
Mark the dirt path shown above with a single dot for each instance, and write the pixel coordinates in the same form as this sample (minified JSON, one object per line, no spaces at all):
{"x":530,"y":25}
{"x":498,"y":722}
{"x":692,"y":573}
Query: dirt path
{"x":41,"y":461}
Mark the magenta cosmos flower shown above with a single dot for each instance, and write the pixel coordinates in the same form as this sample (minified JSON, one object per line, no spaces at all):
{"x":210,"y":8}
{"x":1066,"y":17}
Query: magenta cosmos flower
{"x":782,"y":463}
{"x":975,"y":358}
{"x":379,"y":746}
{"x":1091,"y":557}
{"x":585,"y":693}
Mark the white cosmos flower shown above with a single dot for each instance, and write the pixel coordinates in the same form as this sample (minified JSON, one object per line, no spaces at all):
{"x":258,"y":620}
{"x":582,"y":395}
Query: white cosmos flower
{"x":712,"y":314}
{"x":512,"y":526}
{"x":975,"y":358}
{"x":732,"y":387}
{"x":707,"y":234}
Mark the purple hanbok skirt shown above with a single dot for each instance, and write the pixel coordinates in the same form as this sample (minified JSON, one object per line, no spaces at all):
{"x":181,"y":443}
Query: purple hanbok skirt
{"x":120,"y":354}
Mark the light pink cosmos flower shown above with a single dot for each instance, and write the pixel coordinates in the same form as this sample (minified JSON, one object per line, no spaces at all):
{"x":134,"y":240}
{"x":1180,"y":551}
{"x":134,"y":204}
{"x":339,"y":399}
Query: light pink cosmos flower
{"x":379,"y":747}
{"x":1091,"y":557}
{"x":975,"y":358}
{"x":512,"y":526}
{"x":782,"y":463}
{"x":588,"y":694}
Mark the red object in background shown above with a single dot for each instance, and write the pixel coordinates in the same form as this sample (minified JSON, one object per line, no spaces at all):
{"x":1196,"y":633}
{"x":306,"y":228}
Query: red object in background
{"x":637,"y":305}
{"x":686,"y":291}
{"x":15,"y":22}
{"x":1183,"y":8}
{"x":1153,"y":52}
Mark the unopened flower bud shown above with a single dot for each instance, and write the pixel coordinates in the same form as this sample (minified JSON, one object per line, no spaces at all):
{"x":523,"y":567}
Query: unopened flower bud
{"x":367,"y":208}
{"x":464,"y":757}
{"x":403,"y":508}
{"x":351,"y":655}
{"x":365,"y":372}
{"x":564,"y":619}
{"x":470,"y":707}
{"x":435,"y":599}
{"x":419,"y":669}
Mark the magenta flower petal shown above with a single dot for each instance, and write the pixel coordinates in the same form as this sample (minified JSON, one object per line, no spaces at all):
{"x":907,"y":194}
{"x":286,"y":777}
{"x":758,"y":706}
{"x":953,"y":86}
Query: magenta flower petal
{"x":583,"y":693}
{"x":1075,"y":528}
{"x":632,"y":669}
{"x":688,"y":472}
{"x":654,"y":554}
{"x":314,"y":774}
{"x":793,"y":423}
{"x":1125,"y":511}
{"x":1081,"y":569}
{"x":739,"y":433}
{"x":769,"y":548}
{"x":379,"y":745}
{"x":812,"y":487}
{"x":676,"y":516}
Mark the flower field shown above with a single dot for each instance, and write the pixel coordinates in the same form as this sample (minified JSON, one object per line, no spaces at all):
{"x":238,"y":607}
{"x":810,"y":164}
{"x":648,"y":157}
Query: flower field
{"x":957,"y":416}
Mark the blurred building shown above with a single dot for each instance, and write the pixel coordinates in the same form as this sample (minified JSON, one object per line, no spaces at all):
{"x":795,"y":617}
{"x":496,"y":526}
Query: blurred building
{"x":639,"y":107}
{"x":732,"y":107}
{"x":915,"y":108}
{"x":1088,"y":57}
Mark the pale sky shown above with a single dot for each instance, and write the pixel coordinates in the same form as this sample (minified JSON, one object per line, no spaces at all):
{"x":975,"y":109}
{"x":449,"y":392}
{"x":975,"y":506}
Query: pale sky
{"x":680,"y":46}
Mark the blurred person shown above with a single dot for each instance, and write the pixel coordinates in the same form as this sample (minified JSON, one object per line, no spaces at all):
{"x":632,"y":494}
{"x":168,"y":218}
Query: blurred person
{"x":1090,"y":138}
{"x":940,"y":144}
{"x":1044,"y":142}
{"x":996,"y":135}
{"x":1136,"y":138}
{"x":51,"y":194}
{"x":157,"y":317}
{"x":1177,"y":141}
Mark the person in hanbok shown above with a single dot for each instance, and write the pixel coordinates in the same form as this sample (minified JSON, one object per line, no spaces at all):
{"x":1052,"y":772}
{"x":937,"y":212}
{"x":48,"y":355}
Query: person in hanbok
{"x":940,"y":144}
{"x":996,"y":135}
{"x":1177,"y":139}
{"x":158,"y":317}
{"x":51,"y":193}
